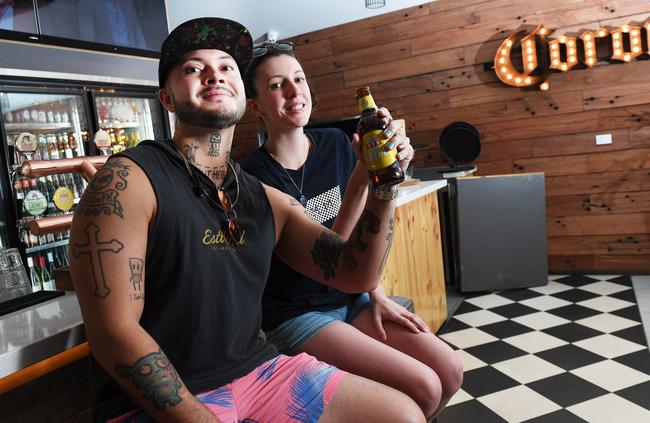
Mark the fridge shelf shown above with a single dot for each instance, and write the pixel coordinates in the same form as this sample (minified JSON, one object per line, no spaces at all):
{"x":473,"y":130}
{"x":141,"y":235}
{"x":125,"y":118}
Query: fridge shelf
{"x":55,"y":244}
{"x":119,"y":125}
{"x":16,"y":128}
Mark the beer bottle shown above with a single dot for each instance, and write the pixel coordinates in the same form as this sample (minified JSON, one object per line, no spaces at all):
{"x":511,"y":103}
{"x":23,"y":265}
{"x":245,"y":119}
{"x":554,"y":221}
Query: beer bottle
{"x":383,"y":167}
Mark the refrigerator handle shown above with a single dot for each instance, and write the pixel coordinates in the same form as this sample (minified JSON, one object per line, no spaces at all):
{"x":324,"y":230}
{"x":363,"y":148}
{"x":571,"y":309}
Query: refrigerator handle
{"x":93,"y":121}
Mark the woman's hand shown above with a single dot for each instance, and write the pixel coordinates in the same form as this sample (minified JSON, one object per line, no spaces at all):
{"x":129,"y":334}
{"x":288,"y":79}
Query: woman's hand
{"x":383,"y":308}
{"x":396,"y":136}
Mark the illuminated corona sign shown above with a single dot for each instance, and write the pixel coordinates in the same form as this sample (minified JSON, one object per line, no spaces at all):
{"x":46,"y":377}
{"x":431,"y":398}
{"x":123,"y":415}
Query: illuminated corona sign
{"x":539,"y":56}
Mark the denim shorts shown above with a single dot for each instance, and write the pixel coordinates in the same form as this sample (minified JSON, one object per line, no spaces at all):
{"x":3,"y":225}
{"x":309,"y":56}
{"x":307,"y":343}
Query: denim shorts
{"x":293,"y":333}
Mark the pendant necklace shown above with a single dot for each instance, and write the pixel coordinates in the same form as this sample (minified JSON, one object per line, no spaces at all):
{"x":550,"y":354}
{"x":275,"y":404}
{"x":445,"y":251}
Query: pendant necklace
{"x":302,"y":198}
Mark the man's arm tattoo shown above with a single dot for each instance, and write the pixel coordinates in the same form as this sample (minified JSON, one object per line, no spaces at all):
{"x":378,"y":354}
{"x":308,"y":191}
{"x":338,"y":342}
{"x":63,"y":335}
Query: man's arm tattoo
{"x":94,"y":248}
{"x":136,"y":267}
{"x":156,"y":376}
{"x":103,"y":192}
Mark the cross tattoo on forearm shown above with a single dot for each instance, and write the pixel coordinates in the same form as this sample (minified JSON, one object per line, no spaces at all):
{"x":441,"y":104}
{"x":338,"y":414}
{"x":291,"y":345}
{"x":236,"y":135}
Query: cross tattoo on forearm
{"x":93,"y":248}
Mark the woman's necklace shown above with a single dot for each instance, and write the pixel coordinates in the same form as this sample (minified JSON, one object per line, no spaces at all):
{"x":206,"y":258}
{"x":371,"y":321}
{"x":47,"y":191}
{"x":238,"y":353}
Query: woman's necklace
{"x":302,"y":198}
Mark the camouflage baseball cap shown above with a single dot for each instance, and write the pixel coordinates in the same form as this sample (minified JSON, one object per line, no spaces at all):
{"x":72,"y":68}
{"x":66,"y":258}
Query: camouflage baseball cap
{"x":205,"y":33}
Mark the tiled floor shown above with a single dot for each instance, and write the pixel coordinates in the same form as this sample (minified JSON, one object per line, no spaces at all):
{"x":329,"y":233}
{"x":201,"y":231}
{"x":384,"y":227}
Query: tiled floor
{"x":571,"y":351}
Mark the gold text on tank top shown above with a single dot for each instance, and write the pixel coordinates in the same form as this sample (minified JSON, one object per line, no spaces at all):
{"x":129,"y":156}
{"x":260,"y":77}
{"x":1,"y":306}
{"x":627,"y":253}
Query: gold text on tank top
{"x":211,"y":237}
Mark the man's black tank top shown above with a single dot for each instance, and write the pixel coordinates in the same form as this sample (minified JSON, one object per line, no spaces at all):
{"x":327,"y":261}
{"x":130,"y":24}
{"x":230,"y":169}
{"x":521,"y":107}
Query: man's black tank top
{"x":202,"y":294}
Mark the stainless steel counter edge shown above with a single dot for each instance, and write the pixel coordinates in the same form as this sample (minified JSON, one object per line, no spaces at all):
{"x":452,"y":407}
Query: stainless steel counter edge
{"x":38,"y":332}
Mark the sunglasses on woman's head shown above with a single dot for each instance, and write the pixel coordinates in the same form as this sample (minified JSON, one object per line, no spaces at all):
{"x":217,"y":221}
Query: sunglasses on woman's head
{"x":268,"y":47}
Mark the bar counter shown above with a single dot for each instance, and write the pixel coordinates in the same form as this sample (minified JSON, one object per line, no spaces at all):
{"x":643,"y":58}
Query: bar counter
{"x":40,"y":338}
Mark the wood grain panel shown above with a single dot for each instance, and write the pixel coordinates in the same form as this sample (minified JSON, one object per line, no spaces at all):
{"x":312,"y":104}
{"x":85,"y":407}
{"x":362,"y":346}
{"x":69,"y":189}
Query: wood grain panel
{"x":619,"y":224}
{"x":553,"y":166}
{"x":313,"y":50}
{"x":465,"y":76}
{"x":600,"y":263}
{"x":407,"y":67}
{"x":414,"y":265}
{"x":578,"y":144}
{"x":568,"y":205}
{"x":543,"y":126}
{"x":592,"y":204}
{"x":633,"y":244}
{"x":389,"y":52}
{"x":324,"y":83}
{"x":624,"y":202}
{"x":598,"y":183}
{"x":615,"y":95}
{"x":632,"y":159}
{"x":639,"y":137}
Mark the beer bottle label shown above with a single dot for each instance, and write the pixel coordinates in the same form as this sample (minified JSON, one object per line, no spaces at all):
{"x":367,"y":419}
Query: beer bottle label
{"x":374,"y":154}
{"x":366,"y":102}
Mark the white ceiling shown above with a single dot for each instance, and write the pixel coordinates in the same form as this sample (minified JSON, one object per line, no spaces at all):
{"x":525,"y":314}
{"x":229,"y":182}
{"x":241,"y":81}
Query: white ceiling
{"x":287,"y":17}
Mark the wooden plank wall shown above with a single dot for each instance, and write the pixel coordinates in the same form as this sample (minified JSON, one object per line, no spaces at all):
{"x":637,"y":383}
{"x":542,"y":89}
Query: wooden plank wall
{"x":426,"y":64}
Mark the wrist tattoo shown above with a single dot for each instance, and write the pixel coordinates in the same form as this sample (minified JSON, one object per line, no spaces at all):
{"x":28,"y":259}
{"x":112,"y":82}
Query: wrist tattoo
{"x":383,"y":194}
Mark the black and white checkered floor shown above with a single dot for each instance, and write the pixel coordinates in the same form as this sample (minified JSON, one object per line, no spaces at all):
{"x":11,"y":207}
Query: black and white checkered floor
{"x":571,"y":351}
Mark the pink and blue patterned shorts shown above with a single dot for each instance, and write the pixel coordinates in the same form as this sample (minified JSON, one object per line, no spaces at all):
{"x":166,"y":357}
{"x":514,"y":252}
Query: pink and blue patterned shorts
{"x":283,"y":389}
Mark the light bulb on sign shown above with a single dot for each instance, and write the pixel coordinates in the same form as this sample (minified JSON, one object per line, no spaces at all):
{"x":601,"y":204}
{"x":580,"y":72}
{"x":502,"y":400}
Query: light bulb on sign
{"x":634,"y":32}
{"x":572,"y":58}
{"x":626,"y":45}
{"x":506,"y":71}
{"x":589,"y":41}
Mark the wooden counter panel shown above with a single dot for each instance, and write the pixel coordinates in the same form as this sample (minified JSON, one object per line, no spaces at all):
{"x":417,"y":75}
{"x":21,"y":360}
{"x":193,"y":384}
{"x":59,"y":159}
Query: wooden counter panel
{"x":414,"y":267}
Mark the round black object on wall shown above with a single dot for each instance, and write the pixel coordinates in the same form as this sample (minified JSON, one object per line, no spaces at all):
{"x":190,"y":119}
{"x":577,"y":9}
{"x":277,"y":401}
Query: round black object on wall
{"x":460,"y":143}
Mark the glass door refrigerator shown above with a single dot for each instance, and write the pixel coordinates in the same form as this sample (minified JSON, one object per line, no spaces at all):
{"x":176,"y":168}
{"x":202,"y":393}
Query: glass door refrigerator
{"x":127,"y":117}
{"x":62,"y":119}
{"x":42,"y":123}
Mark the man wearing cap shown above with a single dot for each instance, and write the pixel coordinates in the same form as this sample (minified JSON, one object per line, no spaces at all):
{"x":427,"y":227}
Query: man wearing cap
{"x":179,"y":220}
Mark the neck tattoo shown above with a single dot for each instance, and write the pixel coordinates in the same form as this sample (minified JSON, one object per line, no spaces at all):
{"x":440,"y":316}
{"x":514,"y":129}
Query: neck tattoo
{"x":189,"y":151}
{"x":199,"y":184}
{"x":215,"y":145}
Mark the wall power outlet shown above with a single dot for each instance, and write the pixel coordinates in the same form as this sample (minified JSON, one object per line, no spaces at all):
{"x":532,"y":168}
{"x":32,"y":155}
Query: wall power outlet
{"x":603,"y":139}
